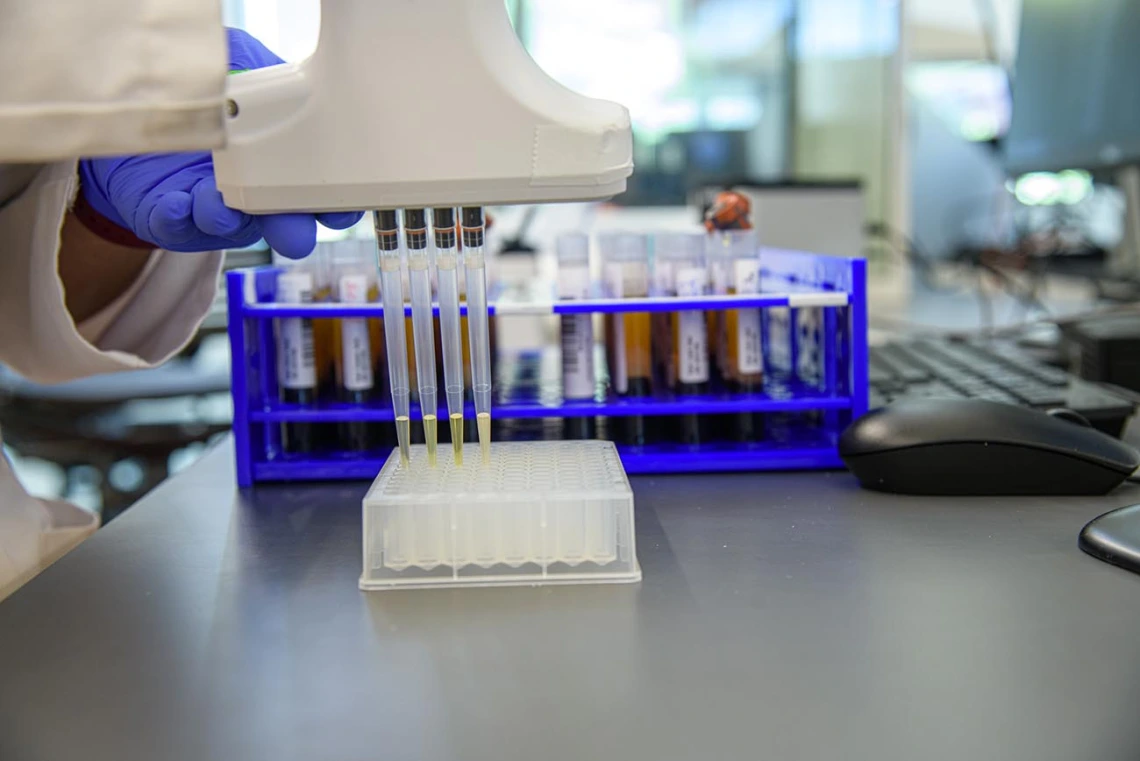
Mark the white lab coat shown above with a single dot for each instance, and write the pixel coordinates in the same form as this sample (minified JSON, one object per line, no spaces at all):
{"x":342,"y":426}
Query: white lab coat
{"x":79,"y":79}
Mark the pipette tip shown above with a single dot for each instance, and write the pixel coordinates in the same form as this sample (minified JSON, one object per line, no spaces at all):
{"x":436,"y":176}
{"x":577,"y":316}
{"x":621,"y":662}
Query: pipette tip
{"x":430,"y":437}
{"x":457,"y":436}
{"x":483,"y":421}
{"x":403,"y":436}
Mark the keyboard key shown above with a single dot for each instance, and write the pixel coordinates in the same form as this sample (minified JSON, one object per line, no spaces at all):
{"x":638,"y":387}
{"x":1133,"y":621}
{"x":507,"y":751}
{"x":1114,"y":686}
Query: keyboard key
{"x":995,"y":371}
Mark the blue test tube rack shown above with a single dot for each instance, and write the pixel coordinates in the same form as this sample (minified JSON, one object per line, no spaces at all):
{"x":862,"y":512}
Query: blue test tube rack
{"x":812,"y":400}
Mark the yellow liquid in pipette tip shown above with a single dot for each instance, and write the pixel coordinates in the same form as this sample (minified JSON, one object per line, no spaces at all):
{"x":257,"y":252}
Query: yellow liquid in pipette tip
{"x":457,"y":436}
{"x":403,"y":436}
{"x":483,"y":420}
{"x":430,"y":437}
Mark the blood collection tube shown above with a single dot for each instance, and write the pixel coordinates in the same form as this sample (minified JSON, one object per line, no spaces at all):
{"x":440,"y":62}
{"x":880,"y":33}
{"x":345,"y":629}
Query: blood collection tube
{"x":716,"y":254}
{"x":629,"y":334}
{"x":578,"y":378}
{"x":356,"y":283}
{"x":730,"y":210}
{"x":326,"y":332}
{"x":744,"y":357}
{"x":662,"y":285}
{"x":296,"y":361}
{"x":688,"y":363}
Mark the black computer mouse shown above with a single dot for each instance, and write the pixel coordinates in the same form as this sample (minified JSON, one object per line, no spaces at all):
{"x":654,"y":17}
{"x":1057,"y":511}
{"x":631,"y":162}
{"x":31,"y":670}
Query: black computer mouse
{"x":976,"y":447}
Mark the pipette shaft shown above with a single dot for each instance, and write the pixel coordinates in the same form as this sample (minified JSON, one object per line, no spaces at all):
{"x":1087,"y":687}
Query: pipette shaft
{"x":478,"y":330}
{"x":419,"y":279}
{"x":392,"y":292}
{"x":451,"y":336}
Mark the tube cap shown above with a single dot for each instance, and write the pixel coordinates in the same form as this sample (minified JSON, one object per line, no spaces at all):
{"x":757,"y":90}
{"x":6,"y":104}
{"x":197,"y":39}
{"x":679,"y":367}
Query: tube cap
{"x":685,"y":247}
{"x":623,"y":246}
{"x":738,"y":244}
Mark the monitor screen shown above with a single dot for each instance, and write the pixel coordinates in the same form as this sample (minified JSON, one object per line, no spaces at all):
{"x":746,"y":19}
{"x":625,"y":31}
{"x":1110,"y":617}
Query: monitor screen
{"x":1076,"y":89}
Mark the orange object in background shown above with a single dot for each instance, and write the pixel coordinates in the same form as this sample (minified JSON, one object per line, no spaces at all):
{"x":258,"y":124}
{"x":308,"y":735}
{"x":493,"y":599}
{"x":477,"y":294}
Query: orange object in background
{"x":730,"y":211}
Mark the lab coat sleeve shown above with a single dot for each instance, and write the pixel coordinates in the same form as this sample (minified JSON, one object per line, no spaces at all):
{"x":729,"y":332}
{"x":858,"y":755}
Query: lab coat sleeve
{"x":38,"y":337}
{"x":109,"y":77}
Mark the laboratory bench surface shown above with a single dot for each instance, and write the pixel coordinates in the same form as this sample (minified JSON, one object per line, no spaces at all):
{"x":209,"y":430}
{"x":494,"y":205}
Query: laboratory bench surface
{"x":782,"y":616}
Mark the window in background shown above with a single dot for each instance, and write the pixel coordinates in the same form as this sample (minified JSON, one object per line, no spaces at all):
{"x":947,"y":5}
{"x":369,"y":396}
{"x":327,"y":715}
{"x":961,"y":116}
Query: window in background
{"x":971,"y":97}
{"x":848,"y":99}
{"x":705,"y":82}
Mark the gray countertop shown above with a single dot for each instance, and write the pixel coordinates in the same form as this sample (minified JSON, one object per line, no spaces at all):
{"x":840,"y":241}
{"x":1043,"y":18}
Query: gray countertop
{"x":782,"y":616}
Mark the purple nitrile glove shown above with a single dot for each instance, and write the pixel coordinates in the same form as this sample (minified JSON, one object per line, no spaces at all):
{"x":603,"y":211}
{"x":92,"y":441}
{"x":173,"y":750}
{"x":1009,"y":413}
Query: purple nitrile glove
{"x":172,"y":199}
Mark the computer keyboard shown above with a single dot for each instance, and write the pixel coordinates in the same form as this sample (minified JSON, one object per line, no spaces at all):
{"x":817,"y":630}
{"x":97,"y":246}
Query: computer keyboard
{"x":995,"y":370}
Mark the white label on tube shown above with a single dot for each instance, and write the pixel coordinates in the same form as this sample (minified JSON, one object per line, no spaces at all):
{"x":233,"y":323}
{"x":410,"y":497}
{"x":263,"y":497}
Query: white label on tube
{"x":748,"y":351}
{"x":577,"y":356}
{"x":692,"y":351}
{"x":577,"y":336}
{"x":356,"y":346}
{"x":296,"y":363}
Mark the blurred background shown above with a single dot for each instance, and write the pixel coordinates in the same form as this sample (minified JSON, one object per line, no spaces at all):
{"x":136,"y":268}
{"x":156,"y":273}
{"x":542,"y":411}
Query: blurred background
{"x":859,"y":127}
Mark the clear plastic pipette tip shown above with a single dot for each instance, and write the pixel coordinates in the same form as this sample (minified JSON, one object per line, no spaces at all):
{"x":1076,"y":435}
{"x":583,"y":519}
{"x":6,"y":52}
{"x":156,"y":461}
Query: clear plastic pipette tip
{"x":451,"y":335}
{"x":403,"y":436}
{"x":478,"y":328}
{"x":457,"y":437}
{"x":387,"y":241}
{"x":423,"y":330}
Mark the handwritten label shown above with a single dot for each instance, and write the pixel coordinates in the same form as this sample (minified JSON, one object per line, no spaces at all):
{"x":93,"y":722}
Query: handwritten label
{"x":356,"y":344}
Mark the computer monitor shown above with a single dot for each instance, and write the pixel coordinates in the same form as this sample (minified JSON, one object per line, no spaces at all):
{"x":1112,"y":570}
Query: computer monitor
{"x":1076,"y":87}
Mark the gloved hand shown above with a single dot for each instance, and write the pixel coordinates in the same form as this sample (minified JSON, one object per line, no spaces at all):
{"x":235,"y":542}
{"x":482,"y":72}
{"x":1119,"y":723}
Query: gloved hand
{"x":172,"y":199}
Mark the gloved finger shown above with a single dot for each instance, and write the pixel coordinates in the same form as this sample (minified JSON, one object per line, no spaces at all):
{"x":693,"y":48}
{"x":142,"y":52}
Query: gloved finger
{"x":291,"y":235}
{"x":247,"y":52}
{"x":340,"y":220}
{"x":212,"y":216}
{"x":169,"y":222}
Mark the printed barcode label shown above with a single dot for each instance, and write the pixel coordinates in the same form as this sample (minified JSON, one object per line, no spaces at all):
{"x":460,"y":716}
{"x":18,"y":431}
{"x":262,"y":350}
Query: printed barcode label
{"x":296,"y":362}
{"x":577,"y":357}
{"x":748,"y":349}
